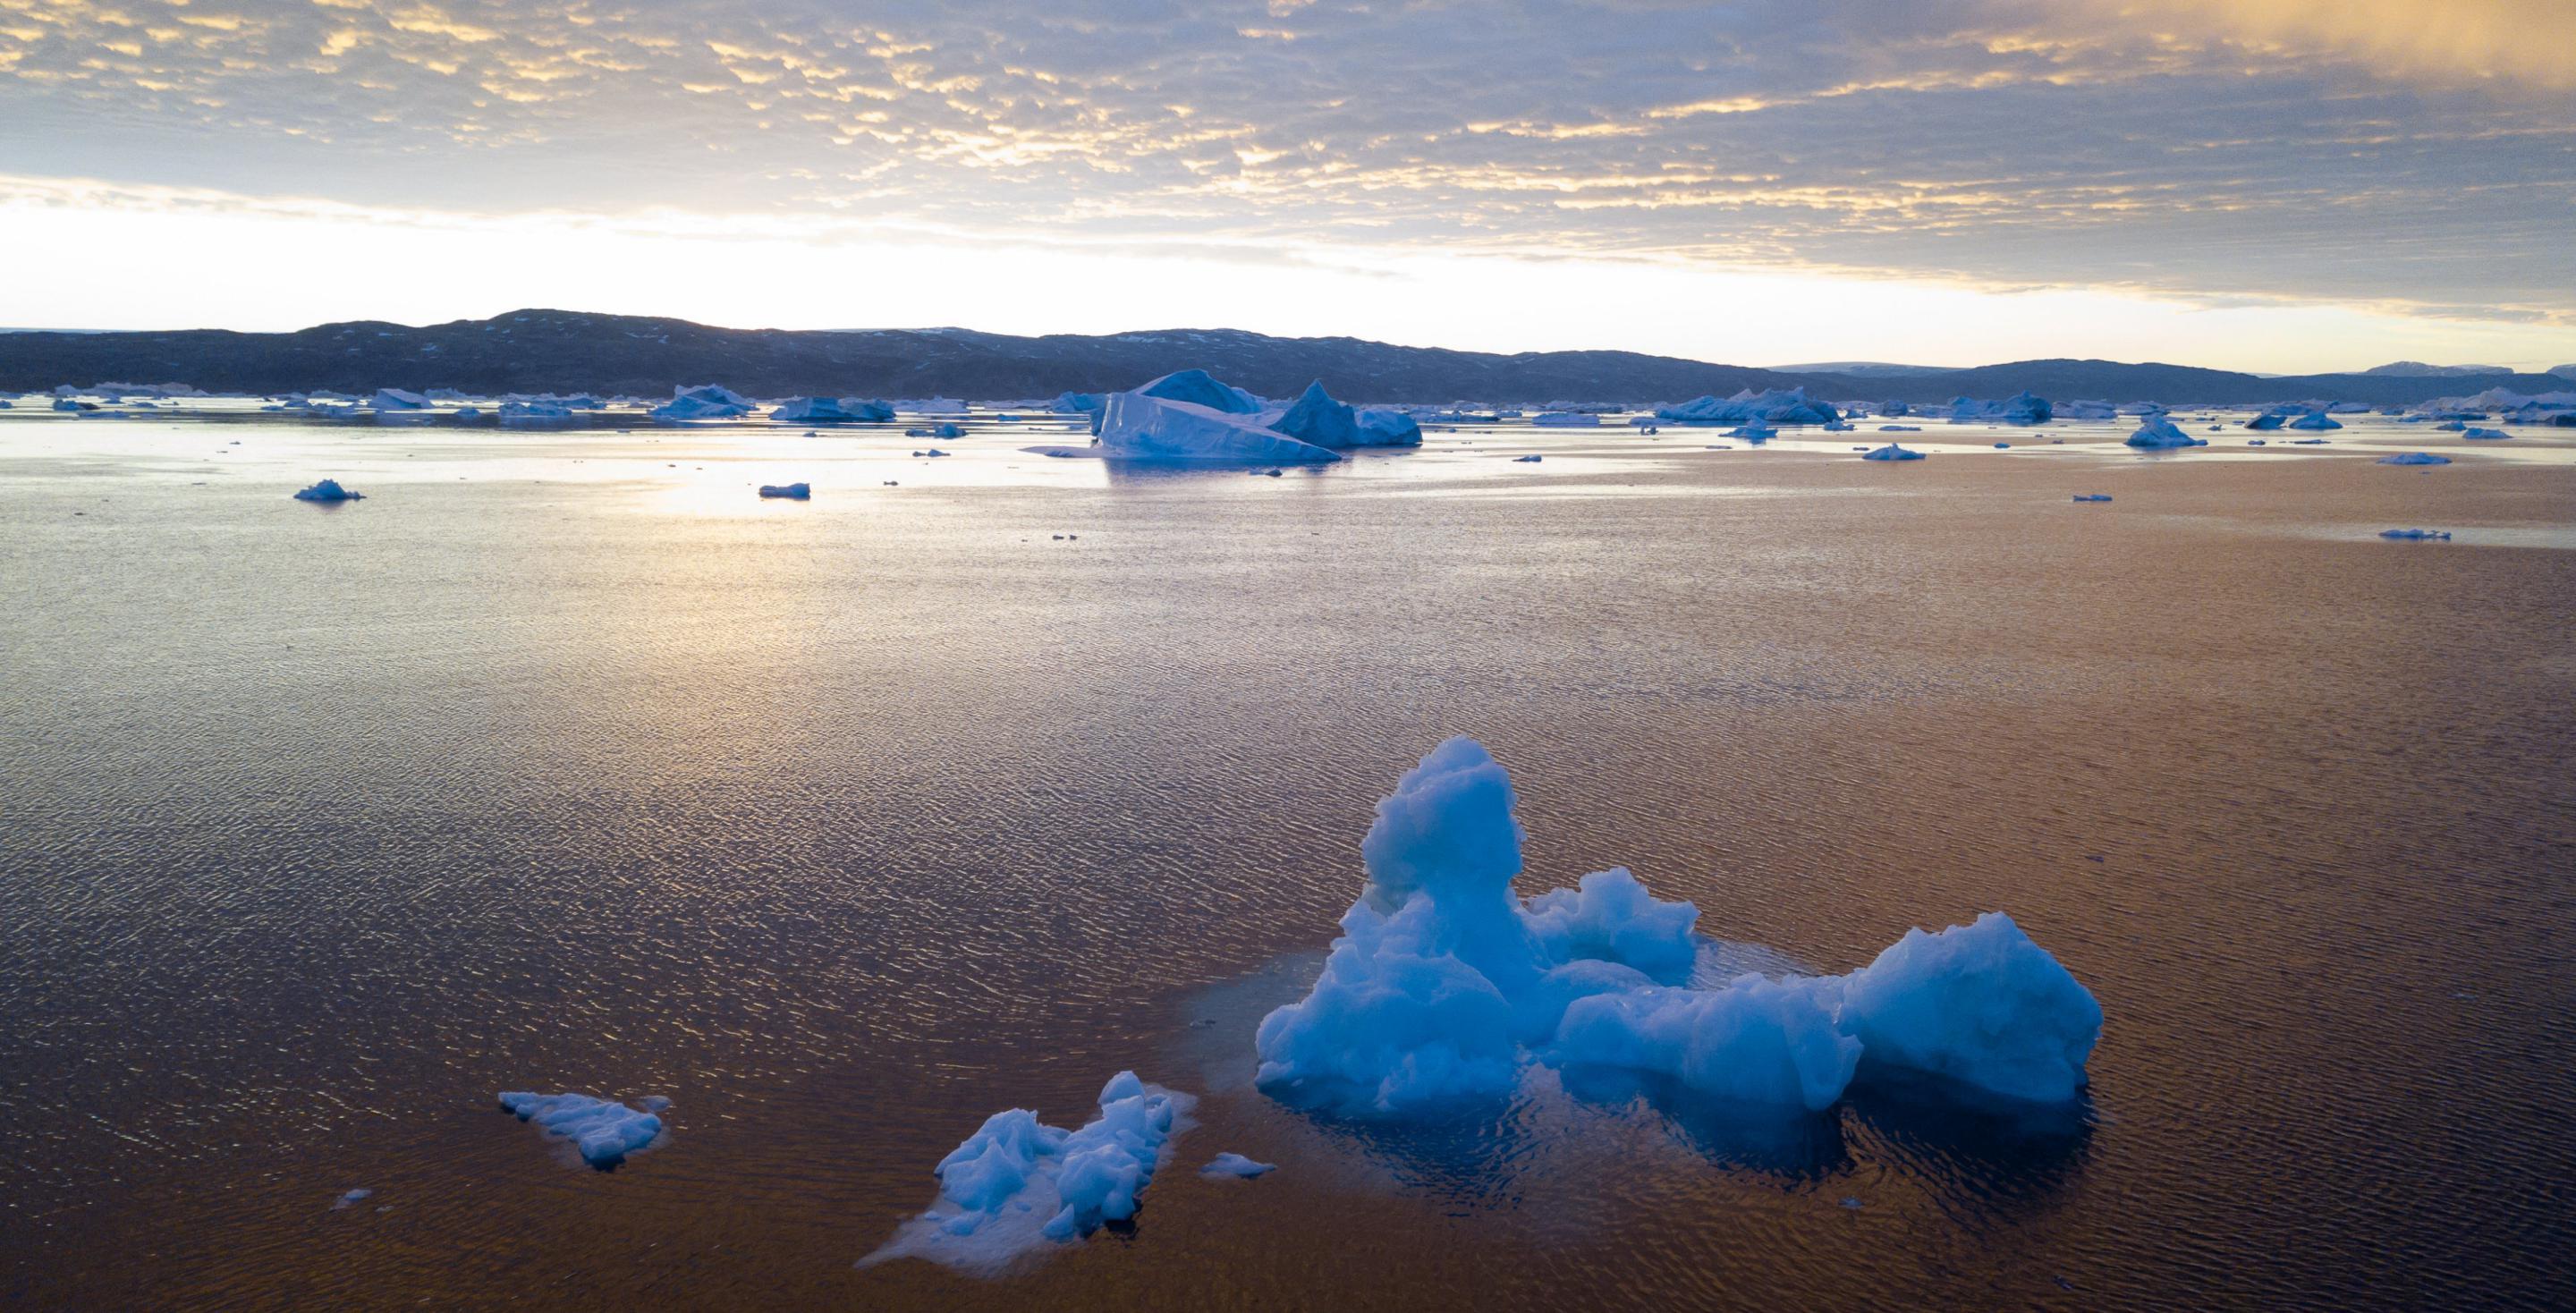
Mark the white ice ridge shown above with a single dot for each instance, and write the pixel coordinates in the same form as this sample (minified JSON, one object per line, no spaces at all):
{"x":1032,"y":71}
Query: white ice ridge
{"x":1017,"y":1186}
{"x":1444,"y":982}
{"x":604,"y":1132}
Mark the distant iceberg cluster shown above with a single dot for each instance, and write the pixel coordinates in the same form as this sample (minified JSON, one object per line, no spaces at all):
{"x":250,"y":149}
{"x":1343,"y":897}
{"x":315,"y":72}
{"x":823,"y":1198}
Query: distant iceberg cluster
{"x":1017,"y":1186}
{"x":1775,"y":406}
{"x":1444,"y":983}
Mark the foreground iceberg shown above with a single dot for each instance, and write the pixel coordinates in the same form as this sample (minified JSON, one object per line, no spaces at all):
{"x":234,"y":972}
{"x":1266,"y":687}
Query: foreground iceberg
{"x":2159,"y":433}
{"x":1017,"y":1186}
{"x":1444,"y":983}
{"x":831,"y":410}
{"x":1778,"y":406}
{"x":706,"y":401}
{"x":1134,"y":426}
{"x":329,"y":490}
{"x":602,"y":1131}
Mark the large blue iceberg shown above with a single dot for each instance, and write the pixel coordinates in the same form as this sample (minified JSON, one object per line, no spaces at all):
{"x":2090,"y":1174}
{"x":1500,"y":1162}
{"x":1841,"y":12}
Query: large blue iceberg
{"x":1445,"y":983}
{"x":1776,"y":406}
{"x":1134,"y":426}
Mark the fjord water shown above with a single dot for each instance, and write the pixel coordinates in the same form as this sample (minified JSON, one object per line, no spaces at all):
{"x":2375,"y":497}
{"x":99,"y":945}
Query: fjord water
{"x":565,"y":762}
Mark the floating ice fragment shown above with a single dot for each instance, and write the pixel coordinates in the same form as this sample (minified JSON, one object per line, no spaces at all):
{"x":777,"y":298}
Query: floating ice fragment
{"x":2158,"y":433}
{"x":2415,"y":458}
{"x":791,"y":491}
{"x":329,"y":490}
{"x":602,"y":1131}
{"x":2415,"y":535}
{"x":1235,"y":1164}
{"x":2092,"y":496}
{"x":1526,"y":460}
{"x":1891,"y":452}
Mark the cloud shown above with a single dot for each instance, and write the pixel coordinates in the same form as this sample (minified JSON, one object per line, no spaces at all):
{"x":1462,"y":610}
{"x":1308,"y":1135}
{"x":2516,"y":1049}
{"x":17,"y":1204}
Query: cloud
{"x":2361,"y":150}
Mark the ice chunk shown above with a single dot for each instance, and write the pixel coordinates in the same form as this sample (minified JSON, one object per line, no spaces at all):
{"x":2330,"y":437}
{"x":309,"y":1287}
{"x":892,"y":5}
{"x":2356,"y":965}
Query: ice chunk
{"x":2092,"y":496}
{"x":831,"y":410}
{"x":1531,"y":459}
{"x":792,"y":491}
{"x":706,"y":401}
{"x":2415,"y":535}
{"x":397,"y":399}
{"x":2023,"y":407}
{"x":1757,"y":1040}
{"x":1235,"y":1164}
{"x":2415,"y":458}
{"x":1138,"y":427}
{"x":1197,"y":387}
{"x":1899,"y":428}
{"x":535,"y":412}
{"x":1609,"y":915}
{"x":1077,"y":403}
{"x":329,"y":490}
{"x":1389,"y":428}
{"x":1017,"y":1187}
{"x":1891,"y":452}
{"x":1789,"y":406}
{"x":1566,"y":420}
{"x":2157,"y":433}
{"x":1980,"y":1004}
{"x":2475,"y":434}
{"x":604,"y":1132}
{"x":2315,"y":420}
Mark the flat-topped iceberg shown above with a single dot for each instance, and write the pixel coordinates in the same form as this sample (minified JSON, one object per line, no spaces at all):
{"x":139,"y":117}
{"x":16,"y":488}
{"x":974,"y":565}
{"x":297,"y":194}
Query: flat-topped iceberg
{"x":2092,"y":496}
{"x":1017,"y":1186}
{"x":1137,"y":427}
{"x":1772,"y":406}
{"x":329,"y":490}
{"x":831,"y":410}
{"x":1444,"y":984}
{"x":2415,"y":535}
{"x":2158,"y":433}
{"x":1563,"y":419}
{"x":397,"y":399}
{"x":790,"y":491}
{"x":603,"y":1132}
{"x":1891,"y":452}
{"x":705,"y":401}
{"x":2415,"y":458}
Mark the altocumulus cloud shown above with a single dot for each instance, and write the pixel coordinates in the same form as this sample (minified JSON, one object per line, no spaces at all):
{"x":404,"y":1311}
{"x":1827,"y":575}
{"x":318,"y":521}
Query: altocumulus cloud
{"x":2415,"y":154}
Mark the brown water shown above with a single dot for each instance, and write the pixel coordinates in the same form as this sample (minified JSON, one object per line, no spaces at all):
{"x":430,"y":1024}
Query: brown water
{"x":564,"y":762}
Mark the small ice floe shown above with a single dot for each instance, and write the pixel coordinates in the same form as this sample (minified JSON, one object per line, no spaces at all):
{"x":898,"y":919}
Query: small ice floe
{"x":2416,"y":535}
{"x":1839,"y":427}
{"x":1532,"y":459}
{"x":2157,"y":433}
{"x":1017,"y":1187}
{"x":2003,"y":446}
{"x":2415,"y":458}
{"x":350,"y":1198}
{"x":1719,"y":446}
{"x":2454,"y":426}
{"x":1899,"y":428}
{"x":329,"y":490}
{"x":1754,"y":431}
{"x":2308,"y":442}
{"x":2092,"y":496}
{"x":2266,"y":422}
{"x":1235,"y":1164}
{"x":603,"y":1132}
{"x":1566,"y":420}
{"x":791,"y":491}
{"x":831,"y":410}
{"x":2254,"y":442}
{"x":2484,"y":434}
{"x":397,"y":399}
{"x":929,"y":451}
{"x":1891,"y":452}
{"x":535,"y":412}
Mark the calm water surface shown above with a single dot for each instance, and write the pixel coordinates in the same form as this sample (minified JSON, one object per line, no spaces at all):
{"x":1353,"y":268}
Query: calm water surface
{"x":564,"y":762}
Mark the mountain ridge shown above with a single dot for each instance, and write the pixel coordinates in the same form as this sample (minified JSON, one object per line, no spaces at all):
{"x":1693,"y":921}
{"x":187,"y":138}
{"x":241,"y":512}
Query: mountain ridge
{"x":541,"y":350}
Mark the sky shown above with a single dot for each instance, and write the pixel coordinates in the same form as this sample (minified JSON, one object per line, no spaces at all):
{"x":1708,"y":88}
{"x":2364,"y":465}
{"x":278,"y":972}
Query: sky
{"x":2278,"y":185}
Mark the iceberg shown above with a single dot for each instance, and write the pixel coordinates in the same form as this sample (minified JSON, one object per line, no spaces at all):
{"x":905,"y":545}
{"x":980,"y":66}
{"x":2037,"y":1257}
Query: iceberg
{"x":1776,"y":406}
{"x":1444,"y":983}
{"x":791,"y":491}
{"x":535,"y":412}
{"x":1235,"y":1164}
{"x":2483,"y":435}
{"x":1197,"y":387}
{"x":603,"y":1132}
{"x":329,"y":490}
{"x":2024,"y":407}
{"x":2316,"y":420}
{"x":2415,"y":458}
{"x":1558,"y":419}
{"x":1899,"y":428}
{"x":2088,"y":410}
{"x":706,"y":401}
{"x":2092,"y":496}
{"x":1077,"y":403}
{"x":1389,"y":428}
{"x":1894,"y":409}
{"x":1891,"y":452}
{"x":397,"y":399}
{"x":1531,"y":459}
{"x":2158,"y":433}
{"x":1135,"y":426}
{"x":1316,"y":418}
{"x":2265,"y":422}
{"x":2415,"y":535}
{"x":831,"y":410}
{"x":1017,"y":1187}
